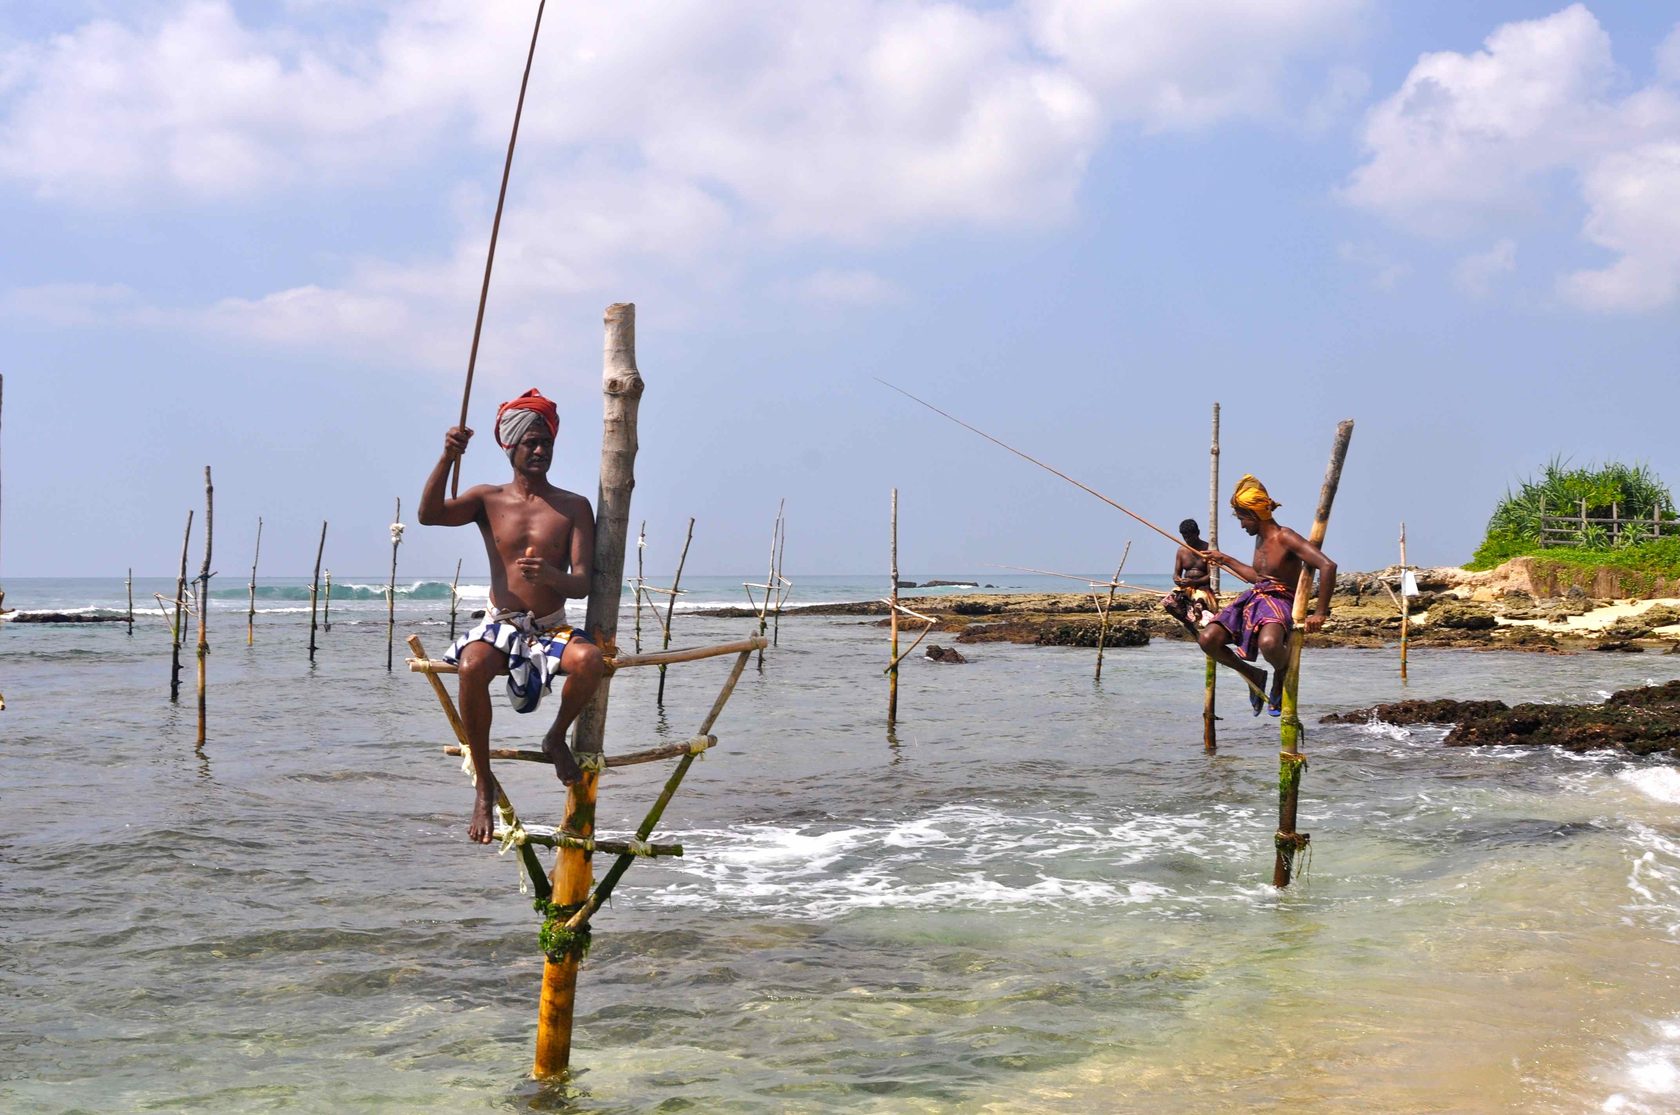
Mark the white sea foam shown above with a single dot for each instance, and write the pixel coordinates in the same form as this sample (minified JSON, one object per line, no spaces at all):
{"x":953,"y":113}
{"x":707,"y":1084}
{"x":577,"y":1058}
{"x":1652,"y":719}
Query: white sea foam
{"x":1649,"y":1077}
{"x":1658,"y":783}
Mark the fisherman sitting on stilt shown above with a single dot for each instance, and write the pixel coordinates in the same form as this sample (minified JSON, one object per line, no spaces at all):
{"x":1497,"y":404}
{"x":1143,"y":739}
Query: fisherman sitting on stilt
{"x":1192,"y":596}
{"x":1260,"y":619}
{"x":545,"y":538}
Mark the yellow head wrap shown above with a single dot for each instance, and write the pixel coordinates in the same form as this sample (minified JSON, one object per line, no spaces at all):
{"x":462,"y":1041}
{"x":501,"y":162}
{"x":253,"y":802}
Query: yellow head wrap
{"x":1251,"y":496}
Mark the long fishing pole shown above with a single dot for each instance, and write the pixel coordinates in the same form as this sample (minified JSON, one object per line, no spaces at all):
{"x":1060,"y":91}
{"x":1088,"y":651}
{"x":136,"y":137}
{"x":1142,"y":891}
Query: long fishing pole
{"x":1174,"y":539}
{"x":495,"y":228}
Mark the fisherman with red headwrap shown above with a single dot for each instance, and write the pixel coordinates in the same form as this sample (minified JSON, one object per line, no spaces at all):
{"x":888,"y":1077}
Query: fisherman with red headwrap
{"x":540,"y":540}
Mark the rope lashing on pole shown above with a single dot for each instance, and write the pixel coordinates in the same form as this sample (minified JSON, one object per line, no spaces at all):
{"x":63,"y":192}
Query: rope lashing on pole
{"x":495,"y":229}
{"x":1173,"y":538}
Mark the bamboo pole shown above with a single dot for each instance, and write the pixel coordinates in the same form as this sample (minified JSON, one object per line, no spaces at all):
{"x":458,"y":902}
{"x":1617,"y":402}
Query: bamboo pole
{"x":454,"y":600}
{"x":1291,"y":761}
{"x":326,"y":601}
{"x":495,"y":230}
{"x":391,"y":589}
{"x":769,"y":580}
{"x":671,"y":608}
{"x":314,"y":588}
{"x":641,"y":579}
{"x":626,"y":661}
{"x":892,"y":670}
{"x":1102,"y":627}
{"x":129,"y":583}
{"x":782,"y":582}
{"x":251,"y":611}
{"x":204,"y":600}
{"x":622,"y":388}
{"x":1210,"y":682}
{"x":180,"y":614}
{"x":1405,"y":607}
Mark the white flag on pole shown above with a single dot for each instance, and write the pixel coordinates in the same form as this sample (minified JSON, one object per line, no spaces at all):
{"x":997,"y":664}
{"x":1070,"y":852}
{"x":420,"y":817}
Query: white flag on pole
{"x":1408,"y":583}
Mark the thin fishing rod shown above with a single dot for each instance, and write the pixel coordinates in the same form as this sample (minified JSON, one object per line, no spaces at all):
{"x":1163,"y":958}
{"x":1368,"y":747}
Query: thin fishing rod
{"x":1176,"y":541}
{"x":495,"y":228}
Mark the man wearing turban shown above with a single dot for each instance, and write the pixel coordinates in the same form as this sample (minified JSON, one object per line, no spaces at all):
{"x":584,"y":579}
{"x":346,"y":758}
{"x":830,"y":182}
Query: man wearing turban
{"x":1259,"y":620}
{"x":540,"y":540}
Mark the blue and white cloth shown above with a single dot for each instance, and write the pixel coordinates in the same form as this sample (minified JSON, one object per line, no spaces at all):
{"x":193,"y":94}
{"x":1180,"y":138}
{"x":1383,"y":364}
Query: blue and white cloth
{"x":533,"y":647}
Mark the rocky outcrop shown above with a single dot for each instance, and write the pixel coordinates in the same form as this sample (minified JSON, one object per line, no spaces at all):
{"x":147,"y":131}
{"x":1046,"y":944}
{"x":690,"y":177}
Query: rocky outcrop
{"x":1643,"y":721}
{"x":937,"y":653}
{"x":65,"y":617}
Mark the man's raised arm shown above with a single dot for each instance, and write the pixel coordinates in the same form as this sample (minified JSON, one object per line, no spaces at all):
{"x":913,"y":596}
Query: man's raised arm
{"x":435,"y":509}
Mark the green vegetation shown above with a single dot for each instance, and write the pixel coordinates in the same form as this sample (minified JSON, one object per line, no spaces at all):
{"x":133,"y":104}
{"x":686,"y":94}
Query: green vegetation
{"x":1633,"y":490}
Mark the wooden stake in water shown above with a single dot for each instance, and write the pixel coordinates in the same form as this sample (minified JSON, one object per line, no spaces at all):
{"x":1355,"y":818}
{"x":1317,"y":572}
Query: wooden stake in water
{"x":180,"y":616}
{"x":1405,"y":606}
{"x":204,"y":600}
{"x":326,"y":601}
{"x":892,"y":673}
{"x":782,"y":585}
{"x":1210,"y":737}
{"x":391,"y":589}
{"x":671,"y":606}
{"x":641,"y":579}
{"x":622,"y":387}
{"x":129,"y":584}
{"x":454,"y":600}
{"x":1107,"y":610}
{"x":1291,"y":761}
{"x":770,"y":580}
{"x":314,"y":588}
{"x":251,"y":610}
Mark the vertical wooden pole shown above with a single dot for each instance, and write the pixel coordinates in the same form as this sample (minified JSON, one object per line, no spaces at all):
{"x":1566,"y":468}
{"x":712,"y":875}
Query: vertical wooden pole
{"x":129,"y":583}
{"x":1102,"y":627}
{"x":769,"y":581}
{"x":1291,"y":761}
{"x":204,"y":598}
{"x":391,"y":589}
{"x":641,"y":579}
{"x":180,"y":617}
{"x":671,"y":606}
{"x":892,"y":672}
{"x":781,"y":552}
{"x":314,"y":588}
{"x":454,"y":600}
{"x":251,"y":611}
{"x":1210,"y":681}
{"x":1405,"y":606}
{"x":326,"y":600}
{"x":622,"y":388}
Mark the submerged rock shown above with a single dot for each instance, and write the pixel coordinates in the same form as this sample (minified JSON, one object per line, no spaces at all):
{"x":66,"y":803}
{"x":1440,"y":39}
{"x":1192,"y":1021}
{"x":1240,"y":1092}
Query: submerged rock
{"x":937,"y":653}
{"x":1417,"y":712}
{"x":65,"y":617}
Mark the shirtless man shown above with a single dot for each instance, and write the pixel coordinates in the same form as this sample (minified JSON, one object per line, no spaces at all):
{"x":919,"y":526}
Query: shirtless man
{"x":540,"y":540}
{"x":1260,"y":619}
{"x":1193,"y":594}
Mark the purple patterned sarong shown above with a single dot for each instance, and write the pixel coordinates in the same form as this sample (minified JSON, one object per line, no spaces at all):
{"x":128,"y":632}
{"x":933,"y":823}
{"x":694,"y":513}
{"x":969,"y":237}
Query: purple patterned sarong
{"x":1267,"y":602}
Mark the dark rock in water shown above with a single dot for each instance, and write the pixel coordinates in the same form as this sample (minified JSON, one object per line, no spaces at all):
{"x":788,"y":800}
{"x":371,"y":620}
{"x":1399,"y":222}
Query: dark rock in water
{"x":1639,"y":721}
{"x":65,"y":617}
{"x":945,"y":654}
{"x":1622,"y":646}
{"x":1417,"y":712}
{"x":1461,"y":616}
{"x":910,"y":584}
{"x":478,"y":613}
{"x":949,"y":584}
{"x":1085,"y":635}
{"x":976,"y":608}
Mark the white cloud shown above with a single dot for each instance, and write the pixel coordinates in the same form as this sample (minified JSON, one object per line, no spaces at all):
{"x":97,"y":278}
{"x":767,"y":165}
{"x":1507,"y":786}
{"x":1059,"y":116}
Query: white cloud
{"x":847,"y":287}
{"x":680,"y":138}
{"x":1634,"y":200}
{"x":1469,"y":139}
{"x":1475,"y":274}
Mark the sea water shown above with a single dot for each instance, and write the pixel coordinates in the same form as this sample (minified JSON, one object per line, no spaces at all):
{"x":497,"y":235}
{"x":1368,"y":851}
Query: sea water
{"x":1038,"y":894}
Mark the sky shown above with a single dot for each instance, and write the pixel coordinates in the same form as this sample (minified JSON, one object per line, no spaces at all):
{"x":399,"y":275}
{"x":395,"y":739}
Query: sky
{"x":251,"y":235}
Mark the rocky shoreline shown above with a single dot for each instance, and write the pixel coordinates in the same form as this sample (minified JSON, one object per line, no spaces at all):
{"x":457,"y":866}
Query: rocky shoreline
{"x":1503,"y":609}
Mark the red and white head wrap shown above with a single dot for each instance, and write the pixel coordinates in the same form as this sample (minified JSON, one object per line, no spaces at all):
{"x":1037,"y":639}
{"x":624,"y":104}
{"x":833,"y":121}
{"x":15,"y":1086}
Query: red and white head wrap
{"x":516,"y":416}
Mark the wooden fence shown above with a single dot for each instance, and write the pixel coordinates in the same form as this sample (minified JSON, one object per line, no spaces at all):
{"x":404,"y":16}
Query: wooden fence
{"x":1618,"y":529}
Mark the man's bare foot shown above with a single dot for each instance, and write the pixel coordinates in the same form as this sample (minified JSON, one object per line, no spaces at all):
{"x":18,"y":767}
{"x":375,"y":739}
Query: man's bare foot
{"x":1274,"y":703}
{"x":484,"y":803}
{"x":565,"y":765}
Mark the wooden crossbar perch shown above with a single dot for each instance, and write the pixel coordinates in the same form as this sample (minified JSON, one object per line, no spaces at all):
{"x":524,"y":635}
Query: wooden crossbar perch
{"x":629,"y":759}
{"x":623,"y":661}
{"x":533,"y":865}
{"x":931,"y":624}
{"x":604,"y":889}
{"x":551,"y":837}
